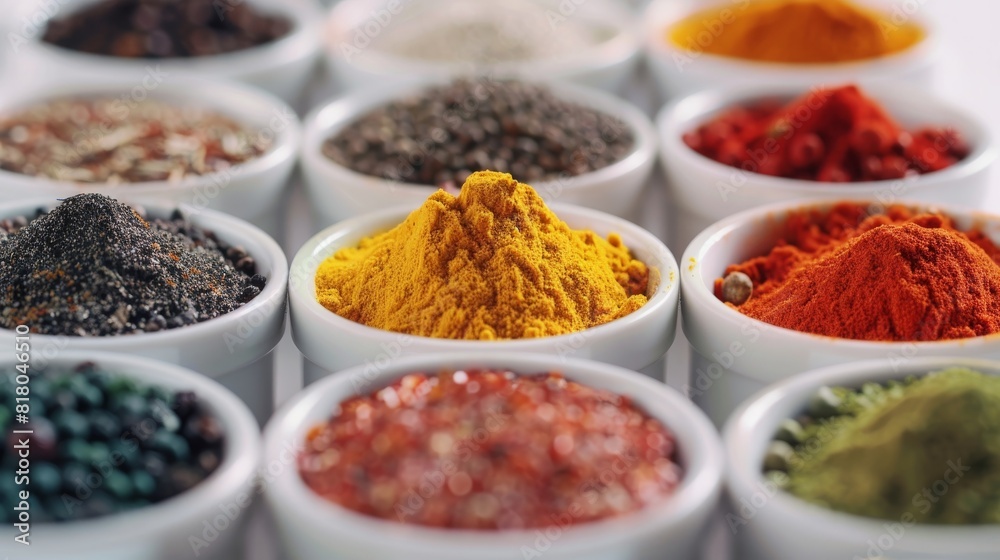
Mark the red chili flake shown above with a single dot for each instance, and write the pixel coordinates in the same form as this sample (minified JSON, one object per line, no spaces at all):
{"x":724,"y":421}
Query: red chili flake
{"x":490,"y":450}
{"x":831,"y":135}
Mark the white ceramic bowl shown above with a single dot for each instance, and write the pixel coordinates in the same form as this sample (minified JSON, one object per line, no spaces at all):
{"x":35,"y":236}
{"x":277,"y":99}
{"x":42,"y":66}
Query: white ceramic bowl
{"x":354,"y":28}
{"x":234,"y":349}
{"x":678,"y":71}
{"x":282,"y":67}
{"x":331,"y":343}
{"x":735,"y":356}
{"x":161,"y":531}
{"x":707,"y":190}
{"x":314,"y":528}
{"x":339,"y":193}
{"x":782,"y":527}
{"x":251,"y":191}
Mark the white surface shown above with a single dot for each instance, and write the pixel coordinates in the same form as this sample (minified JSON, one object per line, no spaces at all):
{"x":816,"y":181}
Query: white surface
{"x":158,"y":532}
{"x":746,"y":349}
{"x":337,"y":192}
{"x":321,"y":531}
{"x":781,"y":527}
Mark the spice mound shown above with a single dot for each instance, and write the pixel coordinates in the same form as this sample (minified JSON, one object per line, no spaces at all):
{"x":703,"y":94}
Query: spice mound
{"x":830,"y":135}
{"x":158,"y":29}
{"x":95,"y":267}
{"x":105,"y":140}
{"x":921,"y":450}
{"x":439,"y":136}
{"x":103,"y":444}
{"x":892,"y":277}
{"x":492,"y":263}
{"x":490,"y":450}
{"x":795,"y":32}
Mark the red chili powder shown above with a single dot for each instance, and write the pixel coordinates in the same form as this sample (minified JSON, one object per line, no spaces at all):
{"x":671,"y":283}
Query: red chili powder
{"x":898,"y":276}
{"x":490,"y":450}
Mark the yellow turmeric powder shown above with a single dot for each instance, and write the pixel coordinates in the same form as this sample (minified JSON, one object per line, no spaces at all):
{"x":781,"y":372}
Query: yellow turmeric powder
{"x":795,"y":31}
{"x":492,"y":263}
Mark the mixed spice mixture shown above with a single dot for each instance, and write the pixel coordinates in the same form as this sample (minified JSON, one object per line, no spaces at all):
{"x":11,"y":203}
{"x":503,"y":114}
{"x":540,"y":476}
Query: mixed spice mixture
{"x":93,"y":266}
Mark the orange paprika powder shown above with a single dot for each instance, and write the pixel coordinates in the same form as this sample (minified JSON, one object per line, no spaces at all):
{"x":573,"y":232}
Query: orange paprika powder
{"x":897,"y":276}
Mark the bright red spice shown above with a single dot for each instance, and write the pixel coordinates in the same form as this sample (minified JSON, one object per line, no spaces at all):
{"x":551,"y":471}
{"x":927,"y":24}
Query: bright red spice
{"x":830,"y":135}
{"x":490,"y":450}
{"x":898,"y":276}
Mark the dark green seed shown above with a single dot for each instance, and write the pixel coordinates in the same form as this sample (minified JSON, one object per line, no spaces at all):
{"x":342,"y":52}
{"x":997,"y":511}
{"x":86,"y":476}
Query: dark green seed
{"x":118,"y":485}
{"x":143,"y":484}
{"x":171,"y":445}
{"x":104,"y":425}
{"x":779,"y":456}
{"x":825,"y":403}
{"x":790,"y":431}
{"x":70,"y":424}
{"x":45,"y":479}
{"x":77,"y":450}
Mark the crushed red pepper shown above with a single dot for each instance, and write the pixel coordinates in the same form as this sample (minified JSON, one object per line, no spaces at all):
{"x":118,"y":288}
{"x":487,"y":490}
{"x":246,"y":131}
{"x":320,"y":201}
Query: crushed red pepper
{"x":490,"y":450}
{"x":830,"y":135}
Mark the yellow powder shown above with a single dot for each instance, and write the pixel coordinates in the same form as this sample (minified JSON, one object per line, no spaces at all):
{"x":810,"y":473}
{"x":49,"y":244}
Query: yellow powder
{"x":491,"y":263}
{"x":795,"y":31}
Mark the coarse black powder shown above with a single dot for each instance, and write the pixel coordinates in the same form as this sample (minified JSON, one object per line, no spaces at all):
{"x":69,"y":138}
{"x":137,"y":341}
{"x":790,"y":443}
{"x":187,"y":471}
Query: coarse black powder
{"x":93,"y":266}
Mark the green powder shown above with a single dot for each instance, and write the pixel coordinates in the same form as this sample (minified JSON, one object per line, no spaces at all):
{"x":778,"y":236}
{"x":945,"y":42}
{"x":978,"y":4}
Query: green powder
{"x":925,"y":450}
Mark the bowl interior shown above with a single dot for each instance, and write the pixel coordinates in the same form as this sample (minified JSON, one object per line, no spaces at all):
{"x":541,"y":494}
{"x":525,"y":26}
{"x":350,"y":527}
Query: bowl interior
{"x":264,"y":115}
{"x":753,"y":426}
{"x":912,"y":110}
{"x":239,"y":456}
{"x":615,"y":41}
{"x":330,"y":120}
{"x":754,"y":233}
{"x":695,"y":439}
{"x":663,"y":280}
{"x":300,"y":13}
{"x":662,"y":15}
{"x":266,"y":252}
